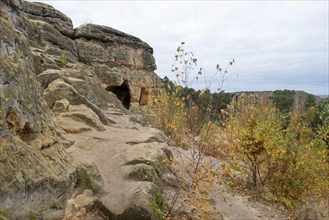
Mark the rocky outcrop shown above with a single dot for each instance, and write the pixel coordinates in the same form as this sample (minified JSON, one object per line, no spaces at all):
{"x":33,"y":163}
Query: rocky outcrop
{"x":123,"y":64}
{"x":65,"y":90}
{"x":118,"y":59}
{"x":44,"y":12}
{"x":35,"y":171}
{"x":120,"y":49}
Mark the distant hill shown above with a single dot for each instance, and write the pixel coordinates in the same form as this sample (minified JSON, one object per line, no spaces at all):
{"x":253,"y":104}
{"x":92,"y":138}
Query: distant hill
{"x":323,"y":96}
{"x":298,"y":94}
{"x":285,"y":100}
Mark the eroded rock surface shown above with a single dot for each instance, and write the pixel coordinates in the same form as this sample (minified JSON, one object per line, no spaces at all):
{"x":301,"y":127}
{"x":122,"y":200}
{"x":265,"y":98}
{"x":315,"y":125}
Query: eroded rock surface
{"x":118,"y":59}
{"x":44,"y":12}
{"x":103,"y":57}
{"x":35,"y":171}
{"x":61,"y":86}
{"x":132,"y":173}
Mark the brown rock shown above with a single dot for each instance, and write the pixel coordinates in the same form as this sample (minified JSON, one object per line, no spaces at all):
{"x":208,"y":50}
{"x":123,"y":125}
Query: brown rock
{"x":61,"y":105}
{"x":44,"y":12}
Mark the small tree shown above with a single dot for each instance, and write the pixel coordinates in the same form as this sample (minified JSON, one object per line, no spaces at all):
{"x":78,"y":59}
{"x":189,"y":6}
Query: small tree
{"x":187,"y":73}
{"x":303,"y":172}
{"x":287,"y":161}
{"x":184,"y":65}
{"x":253,"y":135}
{"x":188,"y":125}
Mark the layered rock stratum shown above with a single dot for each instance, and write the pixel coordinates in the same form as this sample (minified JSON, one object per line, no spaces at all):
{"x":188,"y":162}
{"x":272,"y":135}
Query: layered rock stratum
{"x":69,"y":146}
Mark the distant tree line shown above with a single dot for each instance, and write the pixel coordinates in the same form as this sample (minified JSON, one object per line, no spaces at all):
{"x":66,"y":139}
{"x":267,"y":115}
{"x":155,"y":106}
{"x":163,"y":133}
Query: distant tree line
{"x":283,"y":100}
{"x":203,"y":99}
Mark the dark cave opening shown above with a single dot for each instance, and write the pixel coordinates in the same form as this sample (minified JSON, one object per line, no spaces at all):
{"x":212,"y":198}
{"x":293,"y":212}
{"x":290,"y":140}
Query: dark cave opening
{"x":122,"y":93}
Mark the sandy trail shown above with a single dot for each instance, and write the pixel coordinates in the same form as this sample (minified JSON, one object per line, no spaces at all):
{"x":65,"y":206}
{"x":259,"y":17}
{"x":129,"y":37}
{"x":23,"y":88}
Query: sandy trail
{"x":109,"y":150}
{"x":239,"y":207}
{"x":234,"y":207}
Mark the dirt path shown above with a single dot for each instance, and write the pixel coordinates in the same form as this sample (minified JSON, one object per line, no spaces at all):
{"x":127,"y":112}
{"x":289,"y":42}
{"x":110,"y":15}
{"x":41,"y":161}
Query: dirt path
{"x":240,"y":207}
{"x":234,"y":207}
{"x":127,"y":141}
{"x":118,"y":151}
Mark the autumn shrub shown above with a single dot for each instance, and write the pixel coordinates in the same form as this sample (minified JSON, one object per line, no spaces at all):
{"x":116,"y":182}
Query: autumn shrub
{"x":253,"y":137}
{"x":284,"y":164}
{"x":304,"y":171}
{"x":322,"y":129}
{"x":196,"y":175}
{"x":281,"y":157}
{"x":189,"y":118}
{"x":170,"y":116}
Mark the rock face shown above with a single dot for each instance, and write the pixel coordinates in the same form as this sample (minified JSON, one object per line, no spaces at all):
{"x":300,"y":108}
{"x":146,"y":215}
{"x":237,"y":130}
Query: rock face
{"x":123,"y":63}
{"x":43,"y":12}
{"x":61,"y":86}
{"x":35,"y":171}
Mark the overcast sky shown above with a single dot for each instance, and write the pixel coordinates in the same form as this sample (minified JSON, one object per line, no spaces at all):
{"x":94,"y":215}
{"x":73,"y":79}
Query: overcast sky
{"x":276,"y":44}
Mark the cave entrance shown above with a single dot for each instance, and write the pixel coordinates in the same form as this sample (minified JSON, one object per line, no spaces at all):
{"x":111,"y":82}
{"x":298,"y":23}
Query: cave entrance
{"x":122,"y":93}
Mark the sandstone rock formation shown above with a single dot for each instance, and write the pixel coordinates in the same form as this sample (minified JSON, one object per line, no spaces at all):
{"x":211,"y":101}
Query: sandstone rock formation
{"x":61,"y":86}
{"x":122,"y":63}
{"x":35,"y":171}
